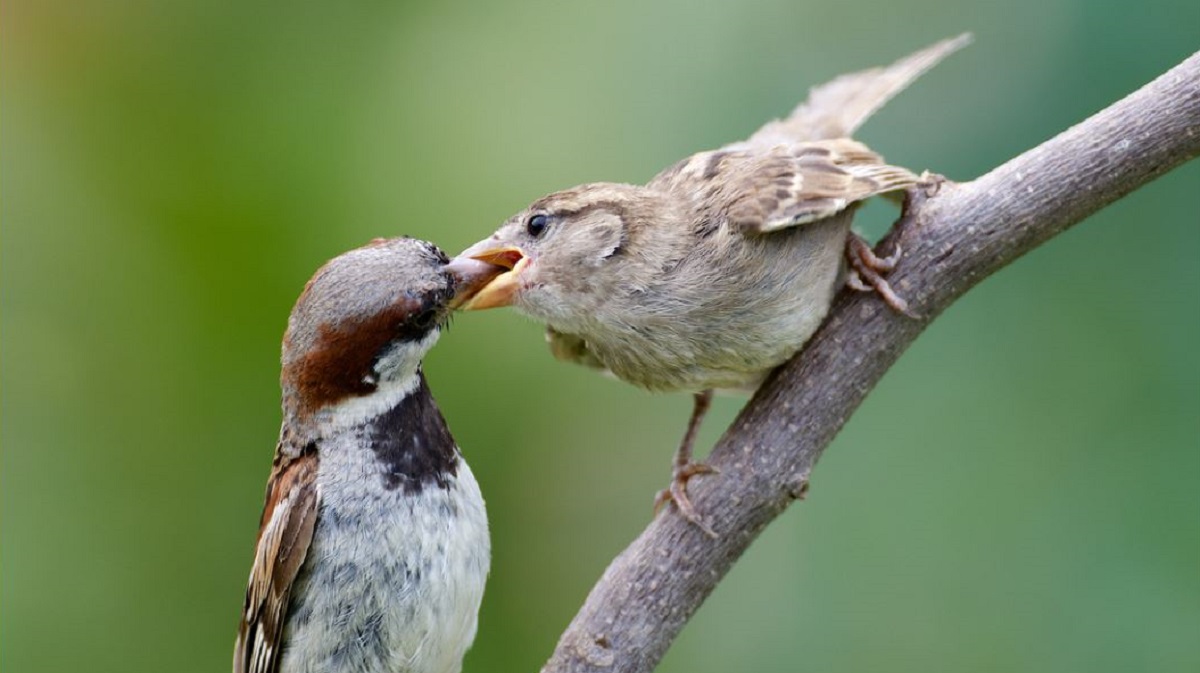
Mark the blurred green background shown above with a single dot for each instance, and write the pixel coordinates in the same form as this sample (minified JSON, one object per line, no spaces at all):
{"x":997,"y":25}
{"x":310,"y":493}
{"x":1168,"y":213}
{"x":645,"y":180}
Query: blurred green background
{"x":1020,"y":493}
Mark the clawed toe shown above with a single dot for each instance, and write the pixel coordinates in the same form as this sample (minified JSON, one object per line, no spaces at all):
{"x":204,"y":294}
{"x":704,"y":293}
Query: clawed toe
{"x":677,"y":493}
{"x":866,"y":273}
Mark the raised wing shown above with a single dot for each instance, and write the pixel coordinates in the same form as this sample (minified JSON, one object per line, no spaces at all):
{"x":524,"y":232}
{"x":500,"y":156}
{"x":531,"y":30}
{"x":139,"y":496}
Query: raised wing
{"x":285,"y":534}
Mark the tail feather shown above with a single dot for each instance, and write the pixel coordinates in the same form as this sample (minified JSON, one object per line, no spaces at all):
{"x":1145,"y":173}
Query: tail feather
{"x":838,"y":108}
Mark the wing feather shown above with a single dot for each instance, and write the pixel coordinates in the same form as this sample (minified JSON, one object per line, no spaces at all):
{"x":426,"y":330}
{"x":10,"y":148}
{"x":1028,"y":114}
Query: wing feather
{"x":286,"y":531}
{"x":761,"y":191}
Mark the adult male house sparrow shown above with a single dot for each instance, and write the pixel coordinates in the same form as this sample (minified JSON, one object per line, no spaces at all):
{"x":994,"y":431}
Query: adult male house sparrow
{"x":373,"y":546}
{"x":718,"y":269}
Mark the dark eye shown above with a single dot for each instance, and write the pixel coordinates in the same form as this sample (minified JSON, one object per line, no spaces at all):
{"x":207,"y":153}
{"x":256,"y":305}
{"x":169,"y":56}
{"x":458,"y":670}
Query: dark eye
{"x":537,"y":224}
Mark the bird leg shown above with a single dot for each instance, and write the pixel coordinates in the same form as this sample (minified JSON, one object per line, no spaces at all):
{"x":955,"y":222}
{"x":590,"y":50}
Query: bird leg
{"x":867,"y":269}
{"x":684,"y":469}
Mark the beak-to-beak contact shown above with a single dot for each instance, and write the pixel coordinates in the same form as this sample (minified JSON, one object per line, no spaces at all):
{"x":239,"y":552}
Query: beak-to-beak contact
{"x":470,"y":276}
{"x":499,"y":289}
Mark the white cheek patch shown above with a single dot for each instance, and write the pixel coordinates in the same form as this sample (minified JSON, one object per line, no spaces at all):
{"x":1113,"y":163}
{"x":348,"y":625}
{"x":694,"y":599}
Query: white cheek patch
{"x":404,"y":358}
{"x":394,"y":377}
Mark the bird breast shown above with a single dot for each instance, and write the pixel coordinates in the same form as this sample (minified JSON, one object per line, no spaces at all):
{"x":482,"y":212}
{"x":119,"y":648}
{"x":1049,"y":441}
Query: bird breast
{"x":729,"y":312}
{"x":395,"y":576}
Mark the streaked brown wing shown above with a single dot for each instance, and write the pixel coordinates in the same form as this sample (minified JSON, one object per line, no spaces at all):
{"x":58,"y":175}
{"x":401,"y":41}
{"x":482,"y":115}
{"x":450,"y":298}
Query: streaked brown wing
{"x":785,"y":186}
{"x":285,"y":534}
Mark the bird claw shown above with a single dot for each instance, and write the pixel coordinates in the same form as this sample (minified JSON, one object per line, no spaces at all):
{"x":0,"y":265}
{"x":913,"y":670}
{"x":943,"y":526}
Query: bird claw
{"x":677,"y":493}
{"x":866,"y":273}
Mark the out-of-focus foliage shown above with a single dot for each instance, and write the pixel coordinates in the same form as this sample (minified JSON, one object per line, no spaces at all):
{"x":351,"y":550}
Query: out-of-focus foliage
{"x":1020,"y":493}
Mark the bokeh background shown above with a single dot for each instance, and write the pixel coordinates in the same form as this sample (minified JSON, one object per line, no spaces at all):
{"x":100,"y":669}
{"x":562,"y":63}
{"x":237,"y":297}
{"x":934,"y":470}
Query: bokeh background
{"x":1020,"y":493}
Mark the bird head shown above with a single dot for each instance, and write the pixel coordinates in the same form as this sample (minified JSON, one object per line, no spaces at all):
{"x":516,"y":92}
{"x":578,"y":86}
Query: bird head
{"x":568,"y":252}
{"x":368,"y":317}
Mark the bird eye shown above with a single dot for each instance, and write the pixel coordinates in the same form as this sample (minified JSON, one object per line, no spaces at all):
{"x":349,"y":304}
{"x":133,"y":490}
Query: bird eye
{"x":537,"y":224}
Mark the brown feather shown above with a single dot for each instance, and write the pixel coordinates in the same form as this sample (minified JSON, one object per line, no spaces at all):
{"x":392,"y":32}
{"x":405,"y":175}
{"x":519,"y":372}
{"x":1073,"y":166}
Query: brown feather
{"x":285,"y":533}
{"x":760,"y":191}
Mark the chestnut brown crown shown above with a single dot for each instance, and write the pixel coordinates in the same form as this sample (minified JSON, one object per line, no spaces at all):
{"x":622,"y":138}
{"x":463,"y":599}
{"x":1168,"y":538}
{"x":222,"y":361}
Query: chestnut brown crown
{"x":367,"y":318}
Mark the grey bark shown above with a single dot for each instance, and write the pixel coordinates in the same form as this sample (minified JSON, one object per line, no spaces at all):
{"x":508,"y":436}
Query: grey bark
{"x":952,"y":239}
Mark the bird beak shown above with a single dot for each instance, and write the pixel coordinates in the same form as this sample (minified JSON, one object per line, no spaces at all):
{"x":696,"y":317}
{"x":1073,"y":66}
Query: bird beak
{"x":499,"y":291}
{"x":470,"y":276}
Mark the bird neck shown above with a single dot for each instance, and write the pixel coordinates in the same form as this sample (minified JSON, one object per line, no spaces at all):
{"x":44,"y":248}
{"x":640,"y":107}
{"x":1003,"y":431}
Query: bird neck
{"x":411,"y":443}
{"x":397,"y":432}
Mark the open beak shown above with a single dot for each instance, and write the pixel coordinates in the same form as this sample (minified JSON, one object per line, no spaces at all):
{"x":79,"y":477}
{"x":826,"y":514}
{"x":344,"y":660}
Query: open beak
{"x":470,"y":276}
{"x":501,"y":288}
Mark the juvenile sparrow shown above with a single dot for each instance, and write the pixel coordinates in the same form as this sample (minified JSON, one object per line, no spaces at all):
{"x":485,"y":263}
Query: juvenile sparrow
{"x":373,"y":546}
{"x":722,"y":266}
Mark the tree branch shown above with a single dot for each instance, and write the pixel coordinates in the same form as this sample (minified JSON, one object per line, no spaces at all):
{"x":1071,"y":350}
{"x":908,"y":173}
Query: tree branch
{"x":951,"y":240}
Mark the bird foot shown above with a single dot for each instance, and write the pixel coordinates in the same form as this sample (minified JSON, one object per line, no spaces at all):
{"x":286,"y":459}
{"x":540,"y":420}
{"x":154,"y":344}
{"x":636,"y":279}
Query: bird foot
{"x":677,"y":493}
{"x":867,"y":270}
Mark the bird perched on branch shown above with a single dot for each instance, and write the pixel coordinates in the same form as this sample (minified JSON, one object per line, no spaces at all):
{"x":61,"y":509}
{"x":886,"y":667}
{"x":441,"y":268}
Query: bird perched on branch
{"x":373,"y":545}
{"x":722,"y":266}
